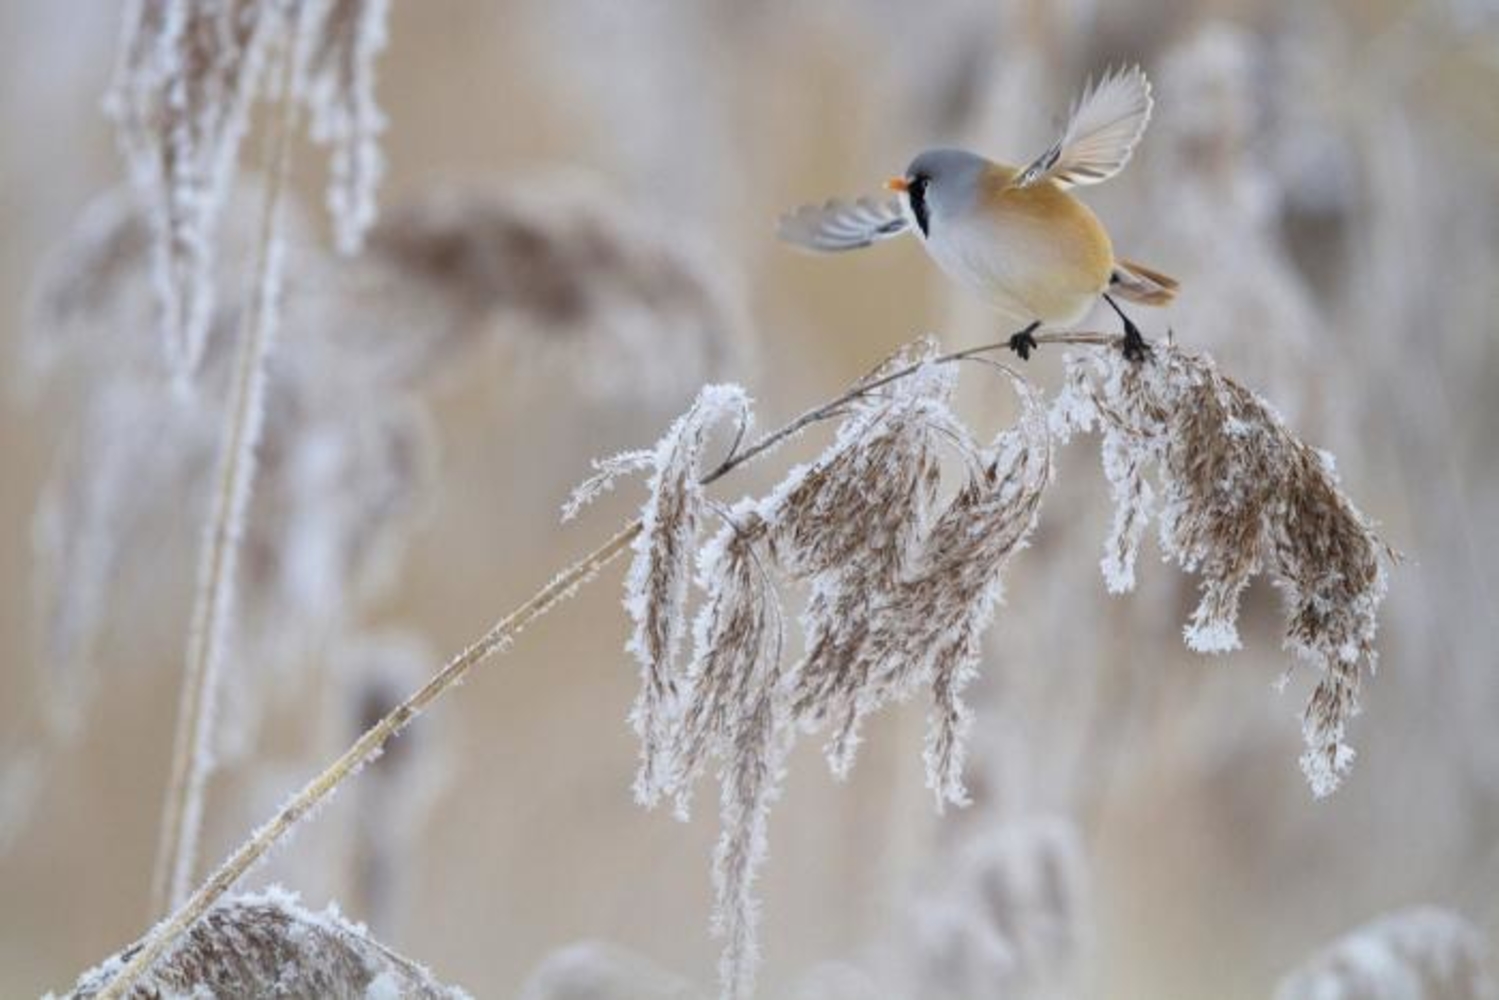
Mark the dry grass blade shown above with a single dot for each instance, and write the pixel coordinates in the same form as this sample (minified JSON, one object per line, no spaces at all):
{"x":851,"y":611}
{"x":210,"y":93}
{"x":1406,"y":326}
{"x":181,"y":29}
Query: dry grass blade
{"x":258,"y":944}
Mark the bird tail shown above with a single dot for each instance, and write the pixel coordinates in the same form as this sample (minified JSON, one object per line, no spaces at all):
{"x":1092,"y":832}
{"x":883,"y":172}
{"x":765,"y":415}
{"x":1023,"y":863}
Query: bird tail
{"x":1138,"y":283}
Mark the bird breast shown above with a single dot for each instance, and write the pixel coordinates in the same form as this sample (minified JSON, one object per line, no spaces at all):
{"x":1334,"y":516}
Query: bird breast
{"x":1034,"y":252}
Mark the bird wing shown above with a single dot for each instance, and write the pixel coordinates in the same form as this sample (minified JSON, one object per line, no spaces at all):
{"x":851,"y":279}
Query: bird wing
{"x":840,"y":225}
{"x":1102,"y":128}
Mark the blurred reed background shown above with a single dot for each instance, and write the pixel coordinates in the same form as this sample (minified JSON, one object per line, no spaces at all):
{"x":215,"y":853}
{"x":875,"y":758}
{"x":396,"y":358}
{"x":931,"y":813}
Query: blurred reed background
{"x":575,"y":232}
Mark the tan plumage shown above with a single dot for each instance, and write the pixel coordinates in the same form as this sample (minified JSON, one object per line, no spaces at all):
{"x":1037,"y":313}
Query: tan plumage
{"x":1015,"y":235}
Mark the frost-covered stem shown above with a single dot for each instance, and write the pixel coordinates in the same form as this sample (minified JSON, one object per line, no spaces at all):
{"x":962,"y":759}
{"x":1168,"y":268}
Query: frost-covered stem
{"x":365,"y":749}
{"x":192,"y":750}
{"x":828,"y":409}
{"x":369,"y":745}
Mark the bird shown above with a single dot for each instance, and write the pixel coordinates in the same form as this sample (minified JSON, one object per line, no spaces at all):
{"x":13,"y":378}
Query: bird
{"x":1016,"y":235}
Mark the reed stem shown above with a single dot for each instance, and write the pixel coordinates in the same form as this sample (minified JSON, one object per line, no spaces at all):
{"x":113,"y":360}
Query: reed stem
{"x":192,"y":750}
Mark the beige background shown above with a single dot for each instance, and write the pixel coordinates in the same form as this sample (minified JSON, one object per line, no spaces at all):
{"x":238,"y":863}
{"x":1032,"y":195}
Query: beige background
{"x":1324,"y":183}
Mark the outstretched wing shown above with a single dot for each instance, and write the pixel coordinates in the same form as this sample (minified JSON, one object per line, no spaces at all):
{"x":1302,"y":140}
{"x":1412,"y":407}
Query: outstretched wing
{"x":841,"y":225}
{"x":1102,"y":129}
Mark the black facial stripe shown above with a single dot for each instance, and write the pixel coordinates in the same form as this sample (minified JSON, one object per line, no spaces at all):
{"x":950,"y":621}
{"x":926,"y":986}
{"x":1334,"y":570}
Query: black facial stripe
{"x":917,"y":193}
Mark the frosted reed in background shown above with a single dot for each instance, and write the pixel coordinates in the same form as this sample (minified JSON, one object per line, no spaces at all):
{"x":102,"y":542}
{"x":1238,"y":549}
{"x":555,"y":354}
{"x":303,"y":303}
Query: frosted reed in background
{"x":208,"y":631}
{"x":265,"y":942}
{"x":1010,"y":920}
{"x":1421,"y":952}
{"x":596,"y":970}
{"x":188,"y":73}
{"x":339,"y":88}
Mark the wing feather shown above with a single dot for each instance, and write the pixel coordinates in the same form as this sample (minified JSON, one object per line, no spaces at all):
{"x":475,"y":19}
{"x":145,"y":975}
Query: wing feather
{"x":1103,"y":127}
{"x":841,"y":225}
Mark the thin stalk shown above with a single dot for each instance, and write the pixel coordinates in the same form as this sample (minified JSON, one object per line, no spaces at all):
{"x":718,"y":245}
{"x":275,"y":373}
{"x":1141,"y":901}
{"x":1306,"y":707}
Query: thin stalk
{"x":192,"y":750}
{"x":365,"y":749}
{"x":499,"y":636}
{"x":737,"y":458}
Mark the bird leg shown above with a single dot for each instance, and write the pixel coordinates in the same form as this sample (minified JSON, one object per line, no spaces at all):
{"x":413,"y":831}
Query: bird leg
{"x":1024,"y":342}
{"x":1135,"y":346}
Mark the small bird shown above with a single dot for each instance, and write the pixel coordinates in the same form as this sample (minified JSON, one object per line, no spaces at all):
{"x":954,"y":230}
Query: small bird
{"x":1017,"y":236}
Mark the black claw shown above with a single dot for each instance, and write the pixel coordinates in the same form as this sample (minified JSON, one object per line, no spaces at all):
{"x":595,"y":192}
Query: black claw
{"x":1024,"y":342}
{"x":1135,"y":348}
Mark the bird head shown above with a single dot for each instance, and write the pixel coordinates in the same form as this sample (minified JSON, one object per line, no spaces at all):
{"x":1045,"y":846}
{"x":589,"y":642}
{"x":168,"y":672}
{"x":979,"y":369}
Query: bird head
{"x":940,"y":184}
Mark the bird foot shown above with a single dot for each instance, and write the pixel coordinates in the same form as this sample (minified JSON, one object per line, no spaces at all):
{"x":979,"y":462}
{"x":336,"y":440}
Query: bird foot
{"x":1024,"y":342}
{"x":1135,"y":347}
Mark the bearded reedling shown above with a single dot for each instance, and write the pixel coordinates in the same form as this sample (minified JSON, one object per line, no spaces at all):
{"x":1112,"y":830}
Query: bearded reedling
{"x":1017,"y":236}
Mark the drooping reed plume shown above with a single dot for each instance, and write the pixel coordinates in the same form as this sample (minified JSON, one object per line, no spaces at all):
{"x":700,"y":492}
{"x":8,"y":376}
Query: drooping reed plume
{"x":1239,"y":496}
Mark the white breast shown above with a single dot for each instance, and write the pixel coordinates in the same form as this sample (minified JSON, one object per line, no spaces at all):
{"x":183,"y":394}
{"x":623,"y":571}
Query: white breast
{"x":1012,"y":265}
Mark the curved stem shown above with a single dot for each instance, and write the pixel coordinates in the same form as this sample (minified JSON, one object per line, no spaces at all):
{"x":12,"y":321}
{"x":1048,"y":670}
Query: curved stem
{"x":192,"y":751}
{"x":812,"y":416}
{"x":499,"y":636}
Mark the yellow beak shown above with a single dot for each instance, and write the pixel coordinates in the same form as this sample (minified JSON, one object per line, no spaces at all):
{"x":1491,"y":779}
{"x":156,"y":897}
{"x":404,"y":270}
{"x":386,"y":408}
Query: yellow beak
{"x":897,"y":184}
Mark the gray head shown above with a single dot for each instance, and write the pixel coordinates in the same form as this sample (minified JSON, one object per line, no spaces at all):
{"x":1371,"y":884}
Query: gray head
{"x":941,"y":183}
